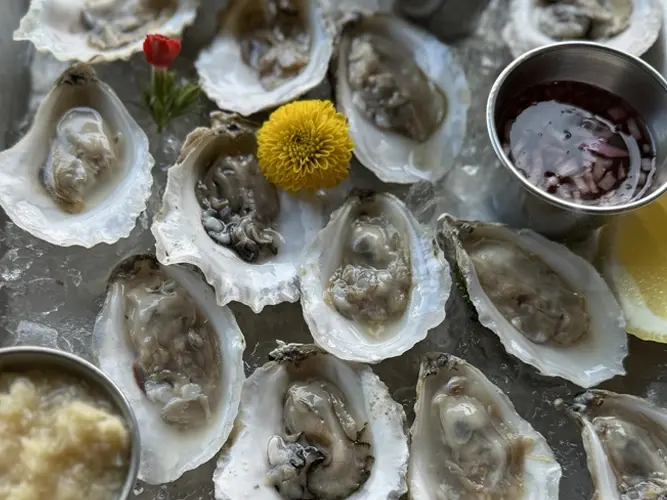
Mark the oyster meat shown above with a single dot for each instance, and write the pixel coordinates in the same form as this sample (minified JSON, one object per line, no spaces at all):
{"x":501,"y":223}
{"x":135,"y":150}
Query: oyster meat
{"x":587,"y":19}
{"x":114,"y":23}
{"x":468,"y":441}
{"x":101,"y":30}
{"x":628,"y":25}
{"x":372,"y":284}
{"x":239,"y":206}
{"x":178,"y":359}
{"x":82,"y":173}
{"x":321,"y":452}
{"x":314,"y":427}
{"x":82,"y":152}
{"x":275,"y":40}
{"x":391,"y":90}
{"x":274,"y":51}
{"x":625,"y":438}
{"x":220,"y":214}
{"x":557,"y":314}
{"x":404,"y":96}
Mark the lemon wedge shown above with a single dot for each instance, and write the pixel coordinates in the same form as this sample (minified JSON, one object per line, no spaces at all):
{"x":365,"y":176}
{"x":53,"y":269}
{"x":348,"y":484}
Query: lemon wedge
{"x":633,"y":260}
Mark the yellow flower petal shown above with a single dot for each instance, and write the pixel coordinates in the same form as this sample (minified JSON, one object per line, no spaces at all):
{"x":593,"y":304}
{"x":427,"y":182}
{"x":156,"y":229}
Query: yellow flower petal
{"x":305,"y":145}
{"x":634,"y":262}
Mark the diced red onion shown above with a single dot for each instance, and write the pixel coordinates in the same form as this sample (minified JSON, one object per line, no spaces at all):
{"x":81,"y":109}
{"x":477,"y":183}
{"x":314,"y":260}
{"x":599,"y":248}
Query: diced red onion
{"x":616,"y":113}
{"x":588,"y":177}
{"x":599,"y":169}
{"x":607,"y":182}
{"x":634,"y":129}
{"x":606,"y":149}
{"x":568,"y":168}
{"x":581,"y":185}
{"x":622,"y":172}
{"x":647,"y":164}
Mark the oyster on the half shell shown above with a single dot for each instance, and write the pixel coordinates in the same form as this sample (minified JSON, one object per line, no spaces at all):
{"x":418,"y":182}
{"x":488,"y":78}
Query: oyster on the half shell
{"x":628,"y":25}
{"x":82,"y":173}
{"x":178,"y":358}
{"x":220,"y":214}
{"x":311,"y":426}
{"x":548,"y":306}
{"x":405,"y":97}
{"x":101,"y":30}
{"x":267,"y":53}
{"x":372,"y":282}
{"x":625,"y":438}
{"x":469,"y":443}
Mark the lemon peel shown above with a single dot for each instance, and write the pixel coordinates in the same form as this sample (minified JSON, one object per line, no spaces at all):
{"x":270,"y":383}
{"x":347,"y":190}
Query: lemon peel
{"x":633,"y":259}
{"x":305,"y":145}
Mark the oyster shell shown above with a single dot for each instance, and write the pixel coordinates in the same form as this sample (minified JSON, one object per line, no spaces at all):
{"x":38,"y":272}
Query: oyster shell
{"x":628,"y":25}
{"x":82,"y":173}
{"x":219,"y":214}
{"x":177,"y":357}
{"x":557,"y":314}
{"x":372,"y":282}
{"x":625,"y":438}
{"x":101,"y":30}
{"x":273,"y":51}
{"x":468,"y":441}
{"x":405,"y":97}
{"x":313,"y":426}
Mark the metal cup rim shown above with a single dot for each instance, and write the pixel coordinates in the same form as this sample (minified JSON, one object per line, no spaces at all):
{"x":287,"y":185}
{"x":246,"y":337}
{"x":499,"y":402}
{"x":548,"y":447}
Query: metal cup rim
{"x":111,"y":390}
{"x":601,"y":210}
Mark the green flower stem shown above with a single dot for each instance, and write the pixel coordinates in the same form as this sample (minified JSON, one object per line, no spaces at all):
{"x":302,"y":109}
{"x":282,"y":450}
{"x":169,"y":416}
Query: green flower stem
{"x":166,"y":99}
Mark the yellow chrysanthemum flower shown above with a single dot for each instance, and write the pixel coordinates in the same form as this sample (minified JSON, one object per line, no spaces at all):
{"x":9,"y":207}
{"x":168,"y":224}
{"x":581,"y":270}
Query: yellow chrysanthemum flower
{"x":305,"y":145}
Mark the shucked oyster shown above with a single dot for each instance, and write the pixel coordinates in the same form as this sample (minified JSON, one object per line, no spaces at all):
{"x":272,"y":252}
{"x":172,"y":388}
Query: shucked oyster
{"x":628,"y":25}
{"x":82,"y":173}
{"x":625,"y":439}
{"x":556,"y":314}
{"x":240,"y":207}
{"x":177,"y":357}
{"x":311,"y":426}
{"x":101,"y":30}
{"x":587,"y":19}
{"x":83,"y":151}
{"x":373,"y":281}
{"x":469,"y":443}
{"x":274,"y":51}
{"x":372,"y":284}
{"x":220,"y":214}
{"x":321,"y":452}
{"x":404,"y":96}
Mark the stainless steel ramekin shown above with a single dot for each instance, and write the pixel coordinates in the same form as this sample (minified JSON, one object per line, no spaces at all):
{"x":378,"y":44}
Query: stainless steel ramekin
{"x":517,"y":201}
{"x":41,"y":358}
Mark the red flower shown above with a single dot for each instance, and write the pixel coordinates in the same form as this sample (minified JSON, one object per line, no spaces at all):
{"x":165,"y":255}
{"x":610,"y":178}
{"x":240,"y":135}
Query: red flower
{"x":161,"y":51}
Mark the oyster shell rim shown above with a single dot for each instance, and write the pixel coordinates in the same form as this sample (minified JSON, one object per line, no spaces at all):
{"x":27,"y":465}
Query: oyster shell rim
{"x":431,"y":363}
{"x":226,"y":410}
{"x":385,"y":410}
{"x":32,"y":29}
{"x":315,"y":310}
{"x":321,"y":52}
{"x":238,"y":286}
{"x":592,"y":445}
{"x":520,"y":347}
{"x":453,"y":127}
{"x":30,"y":218}
{"x":521,"y":33}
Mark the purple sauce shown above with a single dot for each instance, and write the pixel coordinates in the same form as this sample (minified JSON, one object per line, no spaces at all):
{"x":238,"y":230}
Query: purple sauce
{"x":580,"y":143}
